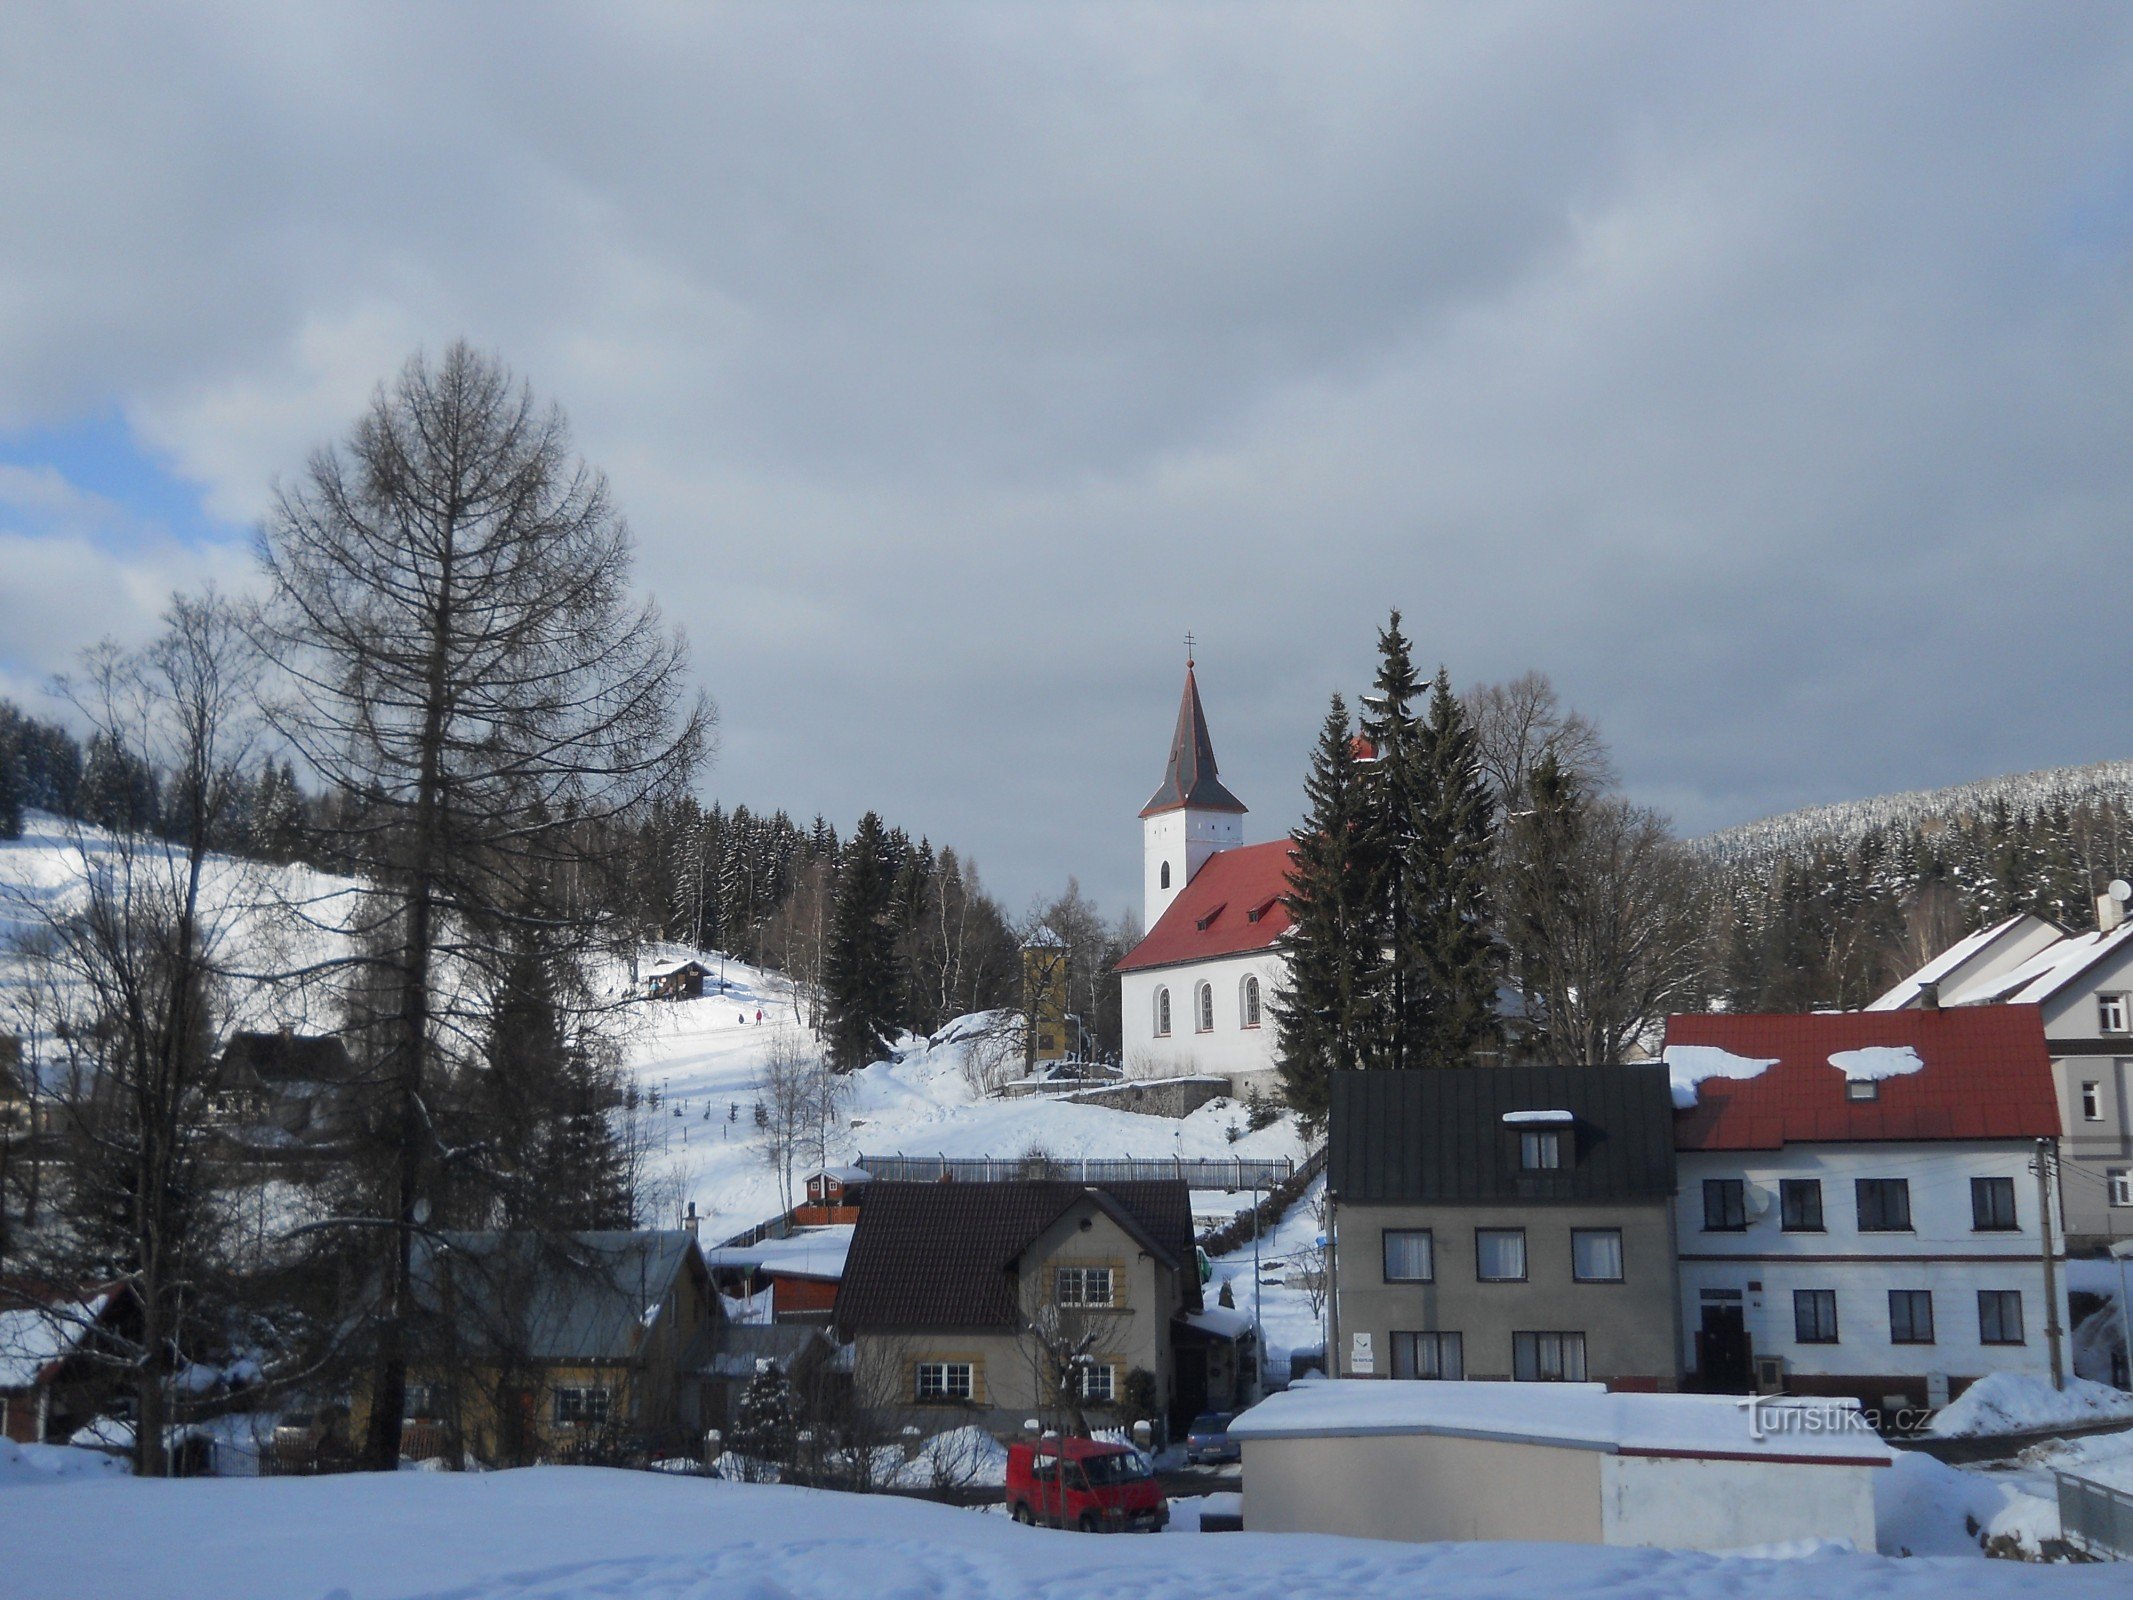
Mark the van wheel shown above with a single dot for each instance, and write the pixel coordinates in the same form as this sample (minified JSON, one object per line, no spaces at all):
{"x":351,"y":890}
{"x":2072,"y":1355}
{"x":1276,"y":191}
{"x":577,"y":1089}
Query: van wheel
{"x":1022,"y":1514}
{"x":1087,"y":1524}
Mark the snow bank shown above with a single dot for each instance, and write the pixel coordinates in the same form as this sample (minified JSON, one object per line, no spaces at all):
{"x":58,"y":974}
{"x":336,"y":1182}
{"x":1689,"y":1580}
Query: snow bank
{"x":2009,"y":1402}
{"x":1877,"y":1061}
{"x":1688,"y":1065}
{"x":30,"y":1465}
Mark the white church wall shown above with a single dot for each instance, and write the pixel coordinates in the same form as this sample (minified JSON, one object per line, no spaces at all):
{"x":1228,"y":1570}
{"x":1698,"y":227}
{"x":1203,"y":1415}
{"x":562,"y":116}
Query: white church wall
{"x":1245,"y":1055}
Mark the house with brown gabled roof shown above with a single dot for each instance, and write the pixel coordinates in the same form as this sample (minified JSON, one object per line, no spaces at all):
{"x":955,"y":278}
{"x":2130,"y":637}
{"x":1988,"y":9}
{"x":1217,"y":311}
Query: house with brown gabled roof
{"x":990,"y":1303}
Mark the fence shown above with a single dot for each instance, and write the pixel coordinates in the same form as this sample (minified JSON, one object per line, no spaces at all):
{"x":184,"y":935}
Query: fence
{"x":2095,"y":1518}
{"x":1232,"y":1174}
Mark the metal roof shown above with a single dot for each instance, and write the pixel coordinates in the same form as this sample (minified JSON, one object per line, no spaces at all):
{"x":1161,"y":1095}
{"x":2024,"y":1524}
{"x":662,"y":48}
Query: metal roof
{"x":587,"y":1296}
{"x":1190,"y":780}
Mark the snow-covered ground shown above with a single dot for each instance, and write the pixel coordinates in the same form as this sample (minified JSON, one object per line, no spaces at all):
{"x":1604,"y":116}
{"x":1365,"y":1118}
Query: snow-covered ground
{"x":560,"y":1533}
{"x":2009,"y":1402}
{"x":1286,"y":1317}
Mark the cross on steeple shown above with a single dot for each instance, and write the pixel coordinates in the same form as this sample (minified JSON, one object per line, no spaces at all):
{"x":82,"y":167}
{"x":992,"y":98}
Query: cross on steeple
{"x":1188,"y":647}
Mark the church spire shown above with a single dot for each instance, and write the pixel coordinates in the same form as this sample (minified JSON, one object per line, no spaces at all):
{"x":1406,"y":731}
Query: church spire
{"x":1189,"y":781}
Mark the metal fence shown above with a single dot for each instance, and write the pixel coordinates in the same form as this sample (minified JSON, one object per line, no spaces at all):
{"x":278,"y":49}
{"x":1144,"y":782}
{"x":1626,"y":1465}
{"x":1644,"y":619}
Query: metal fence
{"x":1235,"y":1173}
{"x":2095,"y":1518}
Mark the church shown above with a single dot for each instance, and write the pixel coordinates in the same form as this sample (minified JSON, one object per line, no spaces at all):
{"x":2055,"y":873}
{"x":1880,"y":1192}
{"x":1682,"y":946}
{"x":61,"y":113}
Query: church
{"x":1197,"y":992}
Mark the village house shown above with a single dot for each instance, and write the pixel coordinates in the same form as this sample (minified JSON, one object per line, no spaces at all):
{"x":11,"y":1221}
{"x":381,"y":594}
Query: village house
{"x":959,"y":1299}
{"x":675,"y":980}
{"x":1860,"y":1209}
{"x":283,"y":1090}
{"x":573,"y":1347}
{"x":63,"y":1355}
{"x":1505,"y":1222}
{"x":2083,"y":983}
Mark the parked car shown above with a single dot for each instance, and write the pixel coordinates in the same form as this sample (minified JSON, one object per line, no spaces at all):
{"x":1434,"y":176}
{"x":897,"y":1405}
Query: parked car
{"x":1084,"y":1484}
{"x":1208,"y":1439}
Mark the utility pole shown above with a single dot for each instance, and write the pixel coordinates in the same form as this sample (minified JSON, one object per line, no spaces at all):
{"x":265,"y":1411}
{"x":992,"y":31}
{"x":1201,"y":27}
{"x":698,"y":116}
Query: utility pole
{"x":2053,"y":1334}
{"x":1333,"y":1285}
{"x":1258,"y":1328}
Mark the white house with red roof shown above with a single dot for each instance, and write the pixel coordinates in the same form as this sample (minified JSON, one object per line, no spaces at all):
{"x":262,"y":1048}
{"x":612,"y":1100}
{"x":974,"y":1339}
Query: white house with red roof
{"x":2083,"y":983}
{"x":1858,"y":1210}
{"x":1197,"y":991}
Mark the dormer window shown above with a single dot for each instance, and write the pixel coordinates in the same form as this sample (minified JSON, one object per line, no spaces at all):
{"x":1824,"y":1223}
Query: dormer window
{"x":1862,"y":1089}
{"x":1208,"y":921}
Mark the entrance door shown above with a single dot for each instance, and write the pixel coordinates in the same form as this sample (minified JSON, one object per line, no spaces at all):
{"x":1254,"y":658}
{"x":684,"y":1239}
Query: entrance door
{"x":1722,"y":1354}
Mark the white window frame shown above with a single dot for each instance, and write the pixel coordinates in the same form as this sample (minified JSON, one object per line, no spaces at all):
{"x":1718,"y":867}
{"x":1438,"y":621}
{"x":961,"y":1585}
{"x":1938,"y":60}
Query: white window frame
{"x":583,"y":1406}
{"x":1203,"y":1007}
{"x":943,"y":1382}
{"x":1162,"y":1011}
{"x":2111,"y":1013}
{"x":2118,"y":1183}
{"x":1248,"y":1002}
{"x":2091,"y":1100}
{"x":1071,"y":1286}
{"x":1094,"y":1382}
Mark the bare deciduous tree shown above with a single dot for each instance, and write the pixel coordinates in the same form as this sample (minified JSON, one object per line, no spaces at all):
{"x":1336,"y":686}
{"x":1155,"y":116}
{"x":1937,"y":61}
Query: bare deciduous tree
{"x":1517,"y":723}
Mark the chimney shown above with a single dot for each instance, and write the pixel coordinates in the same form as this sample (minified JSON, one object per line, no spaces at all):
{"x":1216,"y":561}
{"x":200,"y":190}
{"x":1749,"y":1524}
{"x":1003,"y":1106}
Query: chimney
{"x":688,"y":1220}
{"x":1929,"y":996}
{"x":2110,"y":909}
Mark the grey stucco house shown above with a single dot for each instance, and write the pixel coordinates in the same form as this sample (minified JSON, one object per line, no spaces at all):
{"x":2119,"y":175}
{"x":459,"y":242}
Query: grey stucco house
{"x":1505,"y":1222}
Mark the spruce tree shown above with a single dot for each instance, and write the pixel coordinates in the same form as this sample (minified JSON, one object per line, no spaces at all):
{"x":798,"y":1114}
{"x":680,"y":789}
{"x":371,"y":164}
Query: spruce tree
{"x":11,"y":786}
{"x":1459,"y":960}
{"x":863,"y":975}
{"x":1397,"y":786}
{"x":1323,"y":1009}
{"x":766,"y":1425}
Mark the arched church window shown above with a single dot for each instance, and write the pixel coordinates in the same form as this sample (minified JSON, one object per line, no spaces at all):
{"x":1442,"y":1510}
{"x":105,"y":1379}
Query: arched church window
{"x":1204,"y":1008}
{"x":1162,"y":1013}
{"x":1251,"y":1002}
{"x":1166,"y":874}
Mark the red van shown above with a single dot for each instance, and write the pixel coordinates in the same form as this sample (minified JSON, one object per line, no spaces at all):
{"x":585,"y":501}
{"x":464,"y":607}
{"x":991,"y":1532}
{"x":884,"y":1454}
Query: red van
{"x":1084,"y":1484}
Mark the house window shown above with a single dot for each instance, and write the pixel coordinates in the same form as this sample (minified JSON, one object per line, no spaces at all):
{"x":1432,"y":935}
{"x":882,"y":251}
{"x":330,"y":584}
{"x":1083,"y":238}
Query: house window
{"x":1166,"y":874}
{"x":1884,"y":1205}
{"x":1861,"y":1089}
{"x":1992,"y":1205}
{"x":1092,"y":1380}
{"x":1814,"y":1316}
{"x":1500,"y":1255}
{"x":1999,"y":1316}
{"x":1084,"y":1286}
{"x":1250,"y":1003}
{"x":2118,"y":1181}
{"x":1204,"y":1008}
{"x":1910,"y":1316}
{"x":2091,"y":1102}
{"x":1540,"y":1152}
{"x":1725,"y":1205}
{"x":426,"y":1400}
{"x":1162,"y":1013}
{"x":582,"y":1407}
{"x":2111,"y":1013}
{"x":1596,"y":1255}
{"x":1410,"y":1256}
{"x":941,"y":1381}
{"x":1429,"y":1355}
{"x":1800,"y":1204}
{"x":1548,"y":1357}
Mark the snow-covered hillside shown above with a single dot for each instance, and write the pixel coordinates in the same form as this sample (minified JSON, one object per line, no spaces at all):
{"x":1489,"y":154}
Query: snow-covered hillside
{"x":2026,"y":794}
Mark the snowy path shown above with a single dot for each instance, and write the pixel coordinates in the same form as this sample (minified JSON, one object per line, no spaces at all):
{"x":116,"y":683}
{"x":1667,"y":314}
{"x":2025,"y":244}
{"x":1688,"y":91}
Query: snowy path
{"x":575,"y":1534}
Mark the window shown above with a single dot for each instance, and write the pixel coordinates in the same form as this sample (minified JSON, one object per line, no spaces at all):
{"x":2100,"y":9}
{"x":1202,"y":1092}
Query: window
{"x":1084,"y":1286}
{"x":1094,"y":1380}
{"x":2091,"y":1102}
{"x":942,"y":1381}
{"x":1429,"y":1355}
{"x":425,"y":1400}
{"x":1162,"y":1013}
{"x":1204,"y":1008}
{"x":1814,"y":1316}
{"x":576,"y":1407}
{"x":2111,"y":1013}
{"x":1548,"y":1357}
{"x":1999,"y":1316}
{"x":1861,"y":1089}
{"x":1884,"y":1205}
{"x":1409,"y":1256}
{"x":2119,"y":1182}
{"x":1725,"y":1205}
{"x":1992,"y":1205}
{"x":1500,"y":1255}
{"x":1166,"y":874}
{"x":1800,"y":1204}
{"x":1910,"y":1316}
{"x":1596,"y":1255}
{"x":1540,"y":1152}
{"x":1249,"y":1007}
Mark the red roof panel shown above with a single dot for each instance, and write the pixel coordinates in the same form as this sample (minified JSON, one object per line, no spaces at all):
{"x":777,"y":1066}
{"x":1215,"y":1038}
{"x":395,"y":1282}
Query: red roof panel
{"x":1987,"y":1075}
{"x":1213,"y":914}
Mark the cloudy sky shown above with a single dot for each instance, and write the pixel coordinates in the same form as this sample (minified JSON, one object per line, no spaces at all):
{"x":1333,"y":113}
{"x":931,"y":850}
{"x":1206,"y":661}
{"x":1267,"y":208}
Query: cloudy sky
{"x":1758,"y":373}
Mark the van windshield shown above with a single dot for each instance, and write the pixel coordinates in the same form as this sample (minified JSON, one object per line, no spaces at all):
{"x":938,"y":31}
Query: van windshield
{"x":1125,"y":1467}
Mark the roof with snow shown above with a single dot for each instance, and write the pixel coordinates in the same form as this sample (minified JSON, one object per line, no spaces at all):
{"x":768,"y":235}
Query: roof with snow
{"x":1233,"y":906}
{"x":818,"y":1253}
{"x":1980,"y":1072}
{"x":1966,"y":952}
{"x":1577,"y":1415}
{"x":1190,"y":780}
{"x":2047,"y":972}
{"x":35,"y":1337}
{"x":1446,"y":1136}
{"x":946,"y":1255}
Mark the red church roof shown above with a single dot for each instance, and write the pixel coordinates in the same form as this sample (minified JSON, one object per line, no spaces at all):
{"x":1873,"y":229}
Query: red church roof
{"x":1986,"y":1075}
{"x":1231,"y":906}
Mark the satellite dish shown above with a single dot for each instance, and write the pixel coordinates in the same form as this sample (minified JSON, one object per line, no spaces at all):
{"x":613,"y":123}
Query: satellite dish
{"x":2120,"y":890}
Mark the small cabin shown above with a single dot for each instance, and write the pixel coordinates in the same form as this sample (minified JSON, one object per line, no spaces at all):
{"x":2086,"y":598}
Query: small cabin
{"x":677,"y":980}
{"x":833,"y":1196}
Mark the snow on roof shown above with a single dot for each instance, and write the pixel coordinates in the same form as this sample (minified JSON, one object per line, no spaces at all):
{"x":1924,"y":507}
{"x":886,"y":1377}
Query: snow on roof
{"x":1516,"y":1117}
{"x":33,"y":1337}
{"x":1688,"y":1065}
{"x":1226,"y":1322}
{"x":810,"y":1253}
{"x":844,"y":1175}
{"x":2047,"y":972}
{"x":1877,"y":1061}
{"x":1908,"y":989}
{"x":1575,"y":1415}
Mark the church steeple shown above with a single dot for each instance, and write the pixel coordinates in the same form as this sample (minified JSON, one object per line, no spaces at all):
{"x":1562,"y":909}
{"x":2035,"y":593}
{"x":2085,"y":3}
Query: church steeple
{"x":1191,"y":815}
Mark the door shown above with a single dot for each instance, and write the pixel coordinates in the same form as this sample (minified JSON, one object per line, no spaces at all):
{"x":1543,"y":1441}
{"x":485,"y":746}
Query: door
{"x":1191,"y":1386}
{"x":1722,"y":1350}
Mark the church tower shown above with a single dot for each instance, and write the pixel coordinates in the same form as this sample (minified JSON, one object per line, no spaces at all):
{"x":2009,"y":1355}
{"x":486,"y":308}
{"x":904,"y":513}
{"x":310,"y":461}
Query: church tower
{"x":1191,"y":815}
